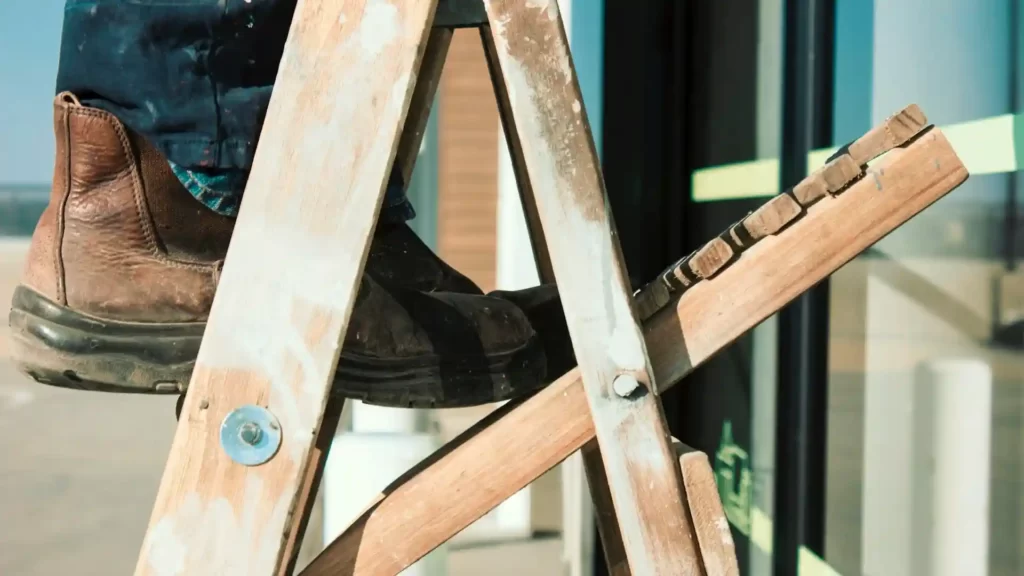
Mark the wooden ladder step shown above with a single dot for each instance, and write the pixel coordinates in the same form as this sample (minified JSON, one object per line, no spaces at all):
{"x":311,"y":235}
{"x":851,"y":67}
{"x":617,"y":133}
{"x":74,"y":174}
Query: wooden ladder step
{"x":443,"y":495}
{"x":844,"y":168}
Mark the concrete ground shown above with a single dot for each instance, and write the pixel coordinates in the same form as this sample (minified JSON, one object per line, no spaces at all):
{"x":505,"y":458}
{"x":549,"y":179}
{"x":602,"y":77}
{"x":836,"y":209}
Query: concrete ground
{"x":79,"y":472}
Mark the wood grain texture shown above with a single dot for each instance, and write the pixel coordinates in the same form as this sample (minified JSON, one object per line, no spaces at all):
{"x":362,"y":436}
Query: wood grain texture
{"x":831,"y":178}
{"x":464,"y":479}
{"x":710,"y":525}
{"x":562,"y":166}
{"x":310,"y":484}
{"x":711,"y":258}
{"x":287,"y":289}
{"x":838,"y":173}
{"x":604,"y":510}
{"x":593,"y":464}
{"x":515,"y":150}
{"x":772,"y":217}
{"x":521,"y":441}
{"x":894,"y":131}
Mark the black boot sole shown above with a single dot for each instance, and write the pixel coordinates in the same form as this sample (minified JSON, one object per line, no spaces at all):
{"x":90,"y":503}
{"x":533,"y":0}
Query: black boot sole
{"x":60,"y":347}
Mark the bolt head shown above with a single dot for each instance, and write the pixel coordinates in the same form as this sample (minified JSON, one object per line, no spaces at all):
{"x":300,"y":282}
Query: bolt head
{"x":250,"y":433}
{"x":624,"y":385}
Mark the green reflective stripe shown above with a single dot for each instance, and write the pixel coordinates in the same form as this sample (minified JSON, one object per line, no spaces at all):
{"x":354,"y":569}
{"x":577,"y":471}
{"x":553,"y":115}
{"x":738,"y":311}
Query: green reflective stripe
{"x":761,"y":530}
{"x":735,"y":181}
{"x":986,"y":146}
{"x":808,"y":564}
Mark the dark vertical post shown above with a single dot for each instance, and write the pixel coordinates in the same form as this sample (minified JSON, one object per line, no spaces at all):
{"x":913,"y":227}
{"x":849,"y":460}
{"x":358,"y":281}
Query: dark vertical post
{"x":1017,"y":95}
{"x":803,"y":326}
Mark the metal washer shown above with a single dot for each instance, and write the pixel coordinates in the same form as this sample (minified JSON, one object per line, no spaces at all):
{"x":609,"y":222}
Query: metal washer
{"x":263,"y":448}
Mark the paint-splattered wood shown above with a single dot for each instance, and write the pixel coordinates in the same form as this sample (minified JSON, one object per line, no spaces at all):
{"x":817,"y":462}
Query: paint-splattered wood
{"x":710,"y":525}
{"x":592,"y":462}
{"x":565,"y":174}
{"x":521,"y":441}
{"x":707,"y":523}
{"x":287,"y":289}
{"x":515,"y":151}
{"x":604,"y":511}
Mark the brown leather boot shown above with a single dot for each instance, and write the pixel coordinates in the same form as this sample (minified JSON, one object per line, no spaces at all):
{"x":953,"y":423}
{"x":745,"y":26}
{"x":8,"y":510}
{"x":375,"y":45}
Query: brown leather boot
{"x":124,"y":264}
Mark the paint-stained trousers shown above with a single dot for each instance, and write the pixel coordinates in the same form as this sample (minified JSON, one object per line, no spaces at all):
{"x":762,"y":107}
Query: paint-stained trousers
{"x":192,"y":76}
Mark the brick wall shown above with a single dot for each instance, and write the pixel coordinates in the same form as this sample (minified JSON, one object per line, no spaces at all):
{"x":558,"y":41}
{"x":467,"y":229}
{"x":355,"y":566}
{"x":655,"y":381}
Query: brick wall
{"x":468,"y":133}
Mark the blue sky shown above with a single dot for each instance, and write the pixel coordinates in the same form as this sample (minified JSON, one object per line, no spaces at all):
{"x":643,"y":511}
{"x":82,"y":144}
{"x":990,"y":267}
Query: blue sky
{"x":29,"y":42}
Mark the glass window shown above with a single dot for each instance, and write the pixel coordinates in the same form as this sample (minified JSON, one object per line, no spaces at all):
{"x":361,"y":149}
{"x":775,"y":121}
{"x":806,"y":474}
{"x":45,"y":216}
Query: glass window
{"x":926,"y":383}
{"x":732,"y":123}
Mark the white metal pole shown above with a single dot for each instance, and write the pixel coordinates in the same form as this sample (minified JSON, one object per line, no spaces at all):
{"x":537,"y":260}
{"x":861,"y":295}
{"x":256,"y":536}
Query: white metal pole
{"x":951,"y":468}
{"x":381,"y":446}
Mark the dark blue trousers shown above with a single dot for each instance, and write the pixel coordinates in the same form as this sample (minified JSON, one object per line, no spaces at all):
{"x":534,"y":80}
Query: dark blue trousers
{"x":192,"y":76}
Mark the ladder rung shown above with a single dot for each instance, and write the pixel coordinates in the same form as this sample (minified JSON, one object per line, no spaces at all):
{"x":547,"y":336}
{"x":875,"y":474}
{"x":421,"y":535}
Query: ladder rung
{"x":460,"y":14}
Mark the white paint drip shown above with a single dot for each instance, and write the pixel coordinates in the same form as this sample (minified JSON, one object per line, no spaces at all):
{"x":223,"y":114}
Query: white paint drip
{"x":166,"y":551}
{"x":723,"y":530}
{"x":624,"y":344}
{"x":379,"y":28}
{"x":211,"y":538}
{"x":551,"y":6}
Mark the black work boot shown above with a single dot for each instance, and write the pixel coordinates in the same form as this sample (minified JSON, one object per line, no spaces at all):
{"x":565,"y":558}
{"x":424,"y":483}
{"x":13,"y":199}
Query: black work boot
{"x":398,"y":256}
{"x":124,"y":264}
{"x":543,"y":306}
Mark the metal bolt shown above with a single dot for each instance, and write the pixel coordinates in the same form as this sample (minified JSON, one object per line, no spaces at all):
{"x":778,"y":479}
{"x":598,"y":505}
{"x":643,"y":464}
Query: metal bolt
{"x":624,"y":385}
{"x":250,"y":433}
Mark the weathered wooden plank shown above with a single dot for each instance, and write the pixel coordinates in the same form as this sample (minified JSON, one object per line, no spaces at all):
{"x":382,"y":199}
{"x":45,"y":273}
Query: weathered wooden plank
{"x":829,"y":179}
{"x":508,"y":122}
{"x":427,"y":81}
{"x":837,"y":174}
{"x":604,"y":510}
{"x":561,"y":162}
{"x":521,"y":441}
{"x":289,"y":283}
{"x":311,"y":483}
{"x":710,"y":525}
{"x":411,"y":518}
{"x":894,"y":131}
{"x":592,"y":462}
{"x":711,"y":258}
{"x":772,"y":217}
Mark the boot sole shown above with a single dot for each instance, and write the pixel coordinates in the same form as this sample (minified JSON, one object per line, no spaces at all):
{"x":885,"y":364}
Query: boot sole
{"x":60,"y":347}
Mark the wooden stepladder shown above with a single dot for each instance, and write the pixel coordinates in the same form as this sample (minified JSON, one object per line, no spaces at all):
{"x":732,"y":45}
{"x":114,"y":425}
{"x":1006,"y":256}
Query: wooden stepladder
{"x":352,"y":97}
